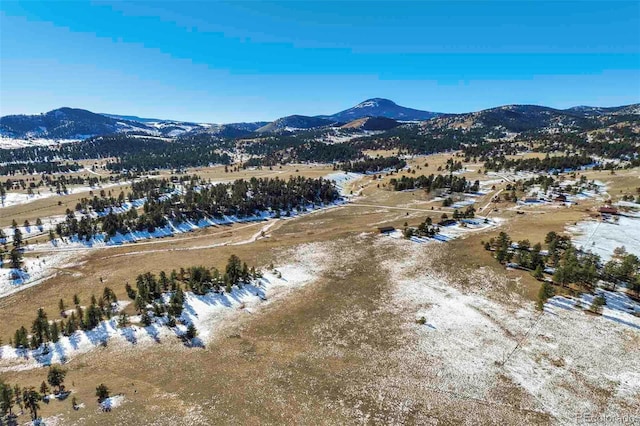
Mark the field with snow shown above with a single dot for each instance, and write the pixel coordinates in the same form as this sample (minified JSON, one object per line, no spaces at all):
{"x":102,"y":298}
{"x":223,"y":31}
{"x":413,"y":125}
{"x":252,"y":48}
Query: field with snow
{"x":34,"y":271}
{"x":349,"y":327}
{"x":603,"y":237}
{"x":13,"y":143}
{"x":562,"y":362}
{"x":207,"y":312}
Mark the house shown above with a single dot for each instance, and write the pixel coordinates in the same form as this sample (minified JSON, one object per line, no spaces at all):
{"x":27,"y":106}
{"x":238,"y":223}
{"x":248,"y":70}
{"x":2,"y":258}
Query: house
{"x":608,"y":210}
{"x":386,"y":229}
{"x":560,"y":198}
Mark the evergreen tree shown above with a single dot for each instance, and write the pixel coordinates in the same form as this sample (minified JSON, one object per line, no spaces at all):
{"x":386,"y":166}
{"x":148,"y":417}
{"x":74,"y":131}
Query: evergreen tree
{"x":546,"y":291}
{"x":191,"y":331}
{"x":31,"y":399}
{"x":6,"y":399}
{"x":538,"y":273}
{"x":102,"y":392}
{"x":56,"y":376}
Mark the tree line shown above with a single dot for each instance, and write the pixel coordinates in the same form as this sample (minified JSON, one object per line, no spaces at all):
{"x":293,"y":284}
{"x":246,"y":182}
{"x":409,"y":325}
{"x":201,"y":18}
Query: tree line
{"x":432,"y":182}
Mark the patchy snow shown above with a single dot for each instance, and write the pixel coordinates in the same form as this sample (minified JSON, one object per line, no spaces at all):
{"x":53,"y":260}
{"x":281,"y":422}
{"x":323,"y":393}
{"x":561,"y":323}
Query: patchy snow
{"x":34,"y":271}
{"x":19,"y":198}
{"x":207,"y":312}
{"x":629,"y":204}
{"x":14,"y":143}
{"x":619,"y":307}
{"x":562,"y":361}
{"x":463,"y":203}
{"x":112,"y":402}
{"x":447,"y":233}
{"x":342,"y":179}
{"x":602,"y":237}
{"x":173,"y":227}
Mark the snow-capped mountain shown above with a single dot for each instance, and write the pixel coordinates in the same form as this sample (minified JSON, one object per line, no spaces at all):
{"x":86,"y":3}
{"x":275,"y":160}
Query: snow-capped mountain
{"x":379,"y":107}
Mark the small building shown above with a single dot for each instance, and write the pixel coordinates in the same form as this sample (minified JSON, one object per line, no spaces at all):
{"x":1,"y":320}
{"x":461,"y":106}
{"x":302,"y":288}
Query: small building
{"x":608,"y":210}
{"x":386,"y":229}
{"x":560,"y":198}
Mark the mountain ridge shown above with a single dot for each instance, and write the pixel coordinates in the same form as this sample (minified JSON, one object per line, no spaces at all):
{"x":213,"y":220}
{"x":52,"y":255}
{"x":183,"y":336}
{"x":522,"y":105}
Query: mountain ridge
{"x":75,"y":123}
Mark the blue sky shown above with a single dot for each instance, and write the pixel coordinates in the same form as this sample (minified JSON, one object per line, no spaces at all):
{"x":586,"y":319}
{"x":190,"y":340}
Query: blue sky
{"x":212,"y":61}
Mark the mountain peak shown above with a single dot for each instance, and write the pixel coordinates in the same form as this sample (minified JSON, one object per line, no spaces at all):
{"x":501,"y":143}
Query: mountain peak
{"x":376,"y":103}
{"x":381,"y":107}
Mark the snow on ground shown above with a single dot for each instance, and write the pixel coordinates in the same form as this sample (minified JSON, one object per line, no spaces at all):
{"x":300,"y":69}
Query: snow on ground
{"x":32,"y":230}
{"x":342,"y":179}
{"x":602,"y":237}
{"x":43,"y":267}
{"x":207,"y":312}
{"x":33,"y":272}
{"x":563,"y":361}
{"x":463,"y":203}
{"x":111,"y":402}
{"x":451,"y":232}
{"x":173,"y":228}
{"x":19,"y":198}
{"x":57,"y":420}
{"x":13,"y":143}
{"x":629,"y":204}
{"x":619,"y":307}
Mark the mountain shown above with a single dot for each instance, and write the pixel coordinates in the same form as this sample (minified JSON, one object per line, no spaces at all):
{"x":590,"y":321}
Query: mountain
{"x":134,"y":118}
{"x":292,"y":122}
{"x":234,"y":130}
{"x":66,"y":123}
{"x":372,"y":123}
{"x":525,"y":118}
{"x":379,"y":107}
{"x":633,"y":109}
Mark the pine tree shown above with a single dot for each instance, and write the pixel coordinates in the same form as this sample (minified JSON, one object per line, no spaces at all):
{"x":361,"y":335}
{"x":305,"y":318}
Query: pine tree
{"x":102,"y":392}
{"x":44,"y":389}
{"x":597,"y":304}
{"x":15,"y":258}
{"x":54,"y":332}
{"x":546,"y":291}
{"x":31,"y":399}
{"x":191,"y":331}
{"x":123,"y":320}
{"x":538,"y":274}
{"x":6,"y":399}
{"x":56,"y":376}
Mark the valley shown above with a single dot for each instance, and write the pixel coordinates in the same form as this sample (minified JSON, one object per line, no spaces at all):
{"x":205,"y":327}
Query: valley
{"x":363,"y":274}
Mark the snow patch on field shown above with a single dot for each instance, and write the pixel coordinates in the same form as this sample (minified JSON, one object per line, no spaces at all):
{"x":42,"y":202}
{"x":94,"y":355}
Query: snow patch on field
{"x":112,"y":402}
{"x":562,"y":361}
{"x":33,"y":272}
{"x":14,"y":143}
{"x":342,"y":179}
{"x":207,"y":312}
{"x":602,"y":237}
{"x":20,"y":198}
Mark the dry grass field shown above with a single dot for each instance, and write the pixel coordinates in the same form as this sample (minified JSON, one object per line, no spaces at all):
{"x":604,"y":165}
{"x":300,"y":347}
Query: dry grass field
{"x":345,"y":348}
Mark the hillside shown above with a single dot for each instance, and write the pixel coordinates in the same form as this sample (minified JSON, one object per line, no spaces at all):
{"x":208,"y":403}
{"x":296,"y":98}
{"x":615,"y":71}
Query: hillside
{"x":66,"y":123}
{"x":527,"y":118}
{"x":295,"y":122}
{"x":371,"y":123}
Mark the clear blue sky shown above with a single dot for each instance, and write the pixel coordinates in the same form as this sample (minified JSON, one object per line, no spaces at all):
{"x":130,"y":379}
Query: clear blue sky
{"x":223,"y":62}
